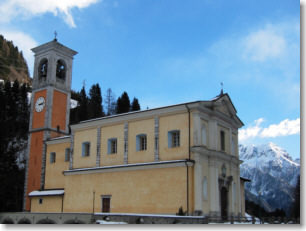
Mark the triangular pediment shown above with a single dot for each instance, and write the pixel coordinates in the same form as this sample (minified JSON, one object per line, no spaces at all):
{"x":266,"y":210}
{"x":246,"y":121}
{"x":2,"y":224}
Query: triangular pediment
{"x":224,"y":105}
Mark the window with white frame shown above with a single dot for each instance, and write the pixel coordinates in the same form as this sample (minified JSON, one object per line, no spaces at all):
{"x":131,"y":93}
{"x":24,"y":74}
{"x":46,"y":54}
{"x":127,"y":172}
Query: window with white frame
{"x":52,"y":157}
{"x":86,"y":149}
{"x":174,"y":139}
{"x":112,"y":146}
{"x":141,"y":142}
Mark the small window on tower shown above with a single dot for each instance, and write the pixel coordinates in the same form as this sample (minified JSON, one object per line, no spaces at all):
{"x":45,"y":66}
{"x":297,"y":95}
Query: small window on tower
{"x":60,"y":70}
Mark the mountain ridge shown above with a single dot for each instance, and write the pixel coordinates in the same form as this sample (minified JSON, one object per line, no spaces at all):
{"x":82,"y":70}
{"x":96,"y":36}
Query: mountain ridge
{"x":273,"y":174}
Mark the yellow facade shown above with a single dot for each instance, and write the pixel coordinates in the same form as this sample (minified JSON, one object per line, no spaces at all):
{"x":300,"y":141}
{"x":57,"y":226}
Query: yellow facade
{"x":112,"y":132}
{"x":132,"y":191}
{"x":80,"y":138}
{"x":163,"y":159}
{"x":136,"y":129}
{"x":47,"y":204}
{"x":54,"y":171}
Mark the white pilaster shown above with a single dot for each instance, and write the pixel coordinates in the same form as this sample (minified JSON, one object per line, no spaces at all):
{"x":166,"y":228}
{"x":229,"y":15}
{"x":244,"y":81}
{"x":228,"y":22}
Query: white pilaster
{"x":197,"y":129}
{"x":214,"y":189}
{"x":197,"y":183}
{"x":213,"y":139}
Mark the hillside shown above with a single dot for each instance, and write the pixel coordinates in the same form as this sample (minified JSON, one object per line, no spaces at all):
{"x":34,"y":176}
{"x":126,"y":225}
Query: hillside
{"x":273,"y":175}
{"x":12,"y":63}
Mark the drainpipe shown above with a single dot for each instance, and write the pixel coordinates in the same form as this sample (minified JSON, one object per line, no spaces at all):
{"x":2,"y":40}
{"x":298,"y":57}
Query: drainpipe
{"x":189,"y":158}
{"x":93,"y":202}
{"x":187,"y":188}
{"x":62,"y":203}
{"x":188,"y":130}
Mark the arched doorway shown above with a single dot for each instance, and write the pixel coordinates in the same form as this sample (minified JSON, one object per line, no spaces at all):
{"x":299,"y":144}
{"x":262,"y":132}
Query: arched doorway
{"x":224,"y":202}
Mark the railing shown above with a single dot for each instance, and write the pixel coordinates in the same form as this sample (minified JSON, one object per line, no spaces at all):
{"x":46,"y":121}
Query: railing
{"x":89,"y":218}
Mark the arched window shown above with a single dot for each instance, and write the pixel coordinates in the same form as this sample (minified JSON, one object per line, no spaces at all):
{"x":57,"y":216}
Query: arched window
{"x":43,"y":69}
{"x":204,"y":188}
{"x":61,"y":70}
{"x":203,"y":131}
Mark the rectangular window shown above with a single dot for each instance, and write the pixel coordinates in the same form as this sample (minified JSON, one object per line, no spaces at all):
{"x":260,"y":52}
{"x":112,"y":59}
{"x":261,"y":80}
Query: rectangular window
{"x":175,"y":139}
{"x":222,"y":140}
{"x":67,"y":155}
{"x":40,"y":201}
{"x":143,"y":143}
{"x":86,"y":149}
{"x":52,"y":157}
{"x":114,"y":146}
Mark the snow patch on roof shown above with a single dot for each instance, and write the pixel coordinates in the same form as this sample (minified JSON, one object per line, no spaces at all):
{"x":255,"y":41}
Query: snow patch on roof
{"x":47,"y":193}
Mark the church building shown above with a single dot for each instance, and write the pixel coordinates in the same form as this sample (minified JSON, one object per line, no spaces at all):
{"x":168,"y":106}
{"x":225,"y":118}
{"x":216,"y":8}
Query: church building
{"x":153,"y":161}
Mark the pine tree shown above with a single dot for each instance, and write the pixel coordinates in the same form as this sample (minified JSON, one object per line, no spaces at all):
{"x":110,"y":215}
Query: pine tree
{"x":95,"y":102}
{"x":123,"y":103}
{"x":11,"y":174}
{"x":110,"y":102}
{"x":295,"y":211}
{"x":83,"y":108}
{"x":135,"y":105}
{"x":74,"y":112}
{"x":24,"y":111}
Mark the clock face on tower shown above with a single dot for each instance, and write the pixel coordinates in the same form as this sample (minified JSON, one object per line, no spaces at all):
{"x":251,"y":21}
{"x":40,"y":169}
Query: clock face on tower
{"x":40,"y":104}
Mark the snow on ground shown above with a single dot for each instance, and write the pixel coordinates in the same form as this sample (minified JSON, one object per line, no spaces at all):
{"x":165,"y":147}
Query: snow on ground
{"x":102,"y":222}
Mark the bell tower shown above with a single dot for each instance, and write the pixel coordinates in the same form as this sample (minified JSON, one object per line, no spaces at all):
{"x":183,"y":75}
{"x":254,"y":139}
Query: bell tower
{"x":50,"y":108}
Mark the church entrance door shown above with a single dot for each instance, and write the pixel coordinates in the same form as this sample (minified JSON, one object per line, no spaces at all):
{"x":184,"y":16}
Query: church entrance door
{"x":223,"y":203}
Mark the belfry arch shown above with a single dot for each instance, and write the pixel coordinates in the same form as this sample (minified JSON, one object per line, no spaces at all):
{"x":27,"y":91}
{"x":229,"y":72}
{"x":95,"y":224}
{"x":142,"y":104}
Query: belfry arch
{"x":61,"y":70}
{"x":43,"y":69}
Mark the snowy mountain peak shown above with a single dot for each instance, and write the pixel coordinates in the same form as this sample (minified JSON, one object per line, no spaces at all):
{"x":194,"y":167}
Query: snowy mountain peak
{"x":272,"y":172}
{"x":265,"y":153}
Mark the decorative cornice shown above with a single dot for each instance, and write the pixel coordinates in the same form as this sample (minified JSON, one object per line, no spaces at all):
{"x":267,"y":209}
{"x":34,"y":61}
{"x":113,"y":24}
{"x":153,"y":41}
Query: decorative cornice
{"x":130,"y":167}
{"x":59,"y":140}
{"x":213,"y":153}
{"x":54,"y":45}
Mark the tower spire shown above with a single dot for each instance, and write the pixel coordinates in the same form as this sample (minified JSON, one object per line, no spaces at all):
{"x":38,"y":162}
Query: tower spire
{"x":221,"y":93}
{"x":55,"y":35}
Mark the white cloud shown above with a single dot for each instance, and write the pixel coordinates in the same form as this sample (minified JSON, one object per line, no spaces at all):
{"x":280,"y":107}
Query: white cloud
{"x":10,"y":9}
{"x":284,"y":128}
{"x":252,"y":131}
{"x":264,"y":44}
{"x":24,"y":42}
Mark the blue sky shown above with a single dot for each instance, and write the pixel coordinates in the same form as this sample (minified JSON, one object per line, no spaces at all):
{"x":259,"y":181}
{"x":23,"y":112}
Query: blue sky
{"x":166,"y":52}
